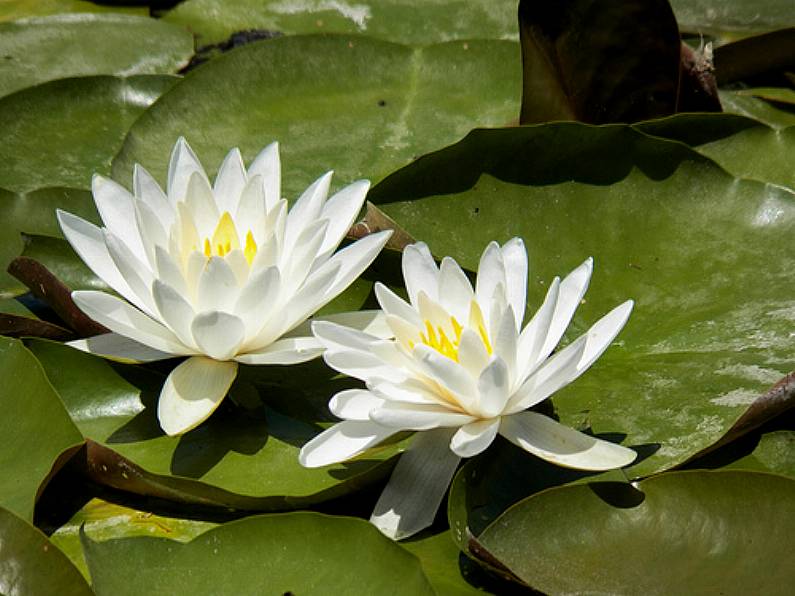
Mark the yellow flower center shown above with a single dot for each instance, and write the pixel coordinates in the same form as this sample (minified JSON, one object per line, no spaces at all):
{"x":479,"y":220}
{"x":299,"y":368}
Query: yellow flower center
{"x":225,"y":239}
{"x":447,"y":344}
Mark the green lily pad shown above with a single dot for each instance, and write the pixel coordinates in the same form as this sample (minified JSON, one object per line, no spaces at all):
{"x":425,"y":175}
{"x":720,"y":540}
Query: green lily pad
{"x":676,"y":533}
{"x":37,"y":432}
{"x":62,"y":132}
{"x":440,"y":562}
{"x":407,"y":21}
{"x":298,"y":553}
{"x":19,"y":9}
{"x":244,"y":457}
{"x":106,"y":521}
{"x":33,"y":213}
{"x":360,"y":106}
{"x":31,"y":564}
{"x":41,"y":49}
{"x":706,"y":257}
{"x":759,"y":109}
{"x":732,"y":19}
{"x":775,"y":94}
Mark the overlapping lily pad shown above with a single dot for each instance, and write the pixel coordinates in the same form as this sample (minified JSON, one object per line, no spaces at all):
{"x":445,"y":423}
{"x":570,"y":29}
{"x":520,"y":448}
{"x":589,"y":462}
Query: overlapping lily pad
{"x":68,"y":45}
{"x":706,"y":257}
{"x":32,"y":565}
{"x":37,"y":431}
{"x":244,"y":457}
{"x":298,"y":553}
{"x":732,"y":19}
{"x":20,"y":9}
{"x":407,"y":21}
{"x":60,"y":133}
{"x":361,"y":106}
{"x":679,"y":532}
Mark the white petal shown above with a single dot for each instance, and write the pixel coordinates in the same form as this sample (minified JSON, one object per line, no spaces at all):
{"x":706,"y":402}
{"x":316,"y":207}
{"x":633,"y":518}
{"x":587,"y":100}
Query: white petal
{"x":201,"y":204}
{"x":306,"y":210}
{"x":338,"y":337}
{"x":192,"y":392}
{"x":411,"y":391}
{"x":572,"y":289}
{"x":455,"y":291}
{"x":361,"y":365}
{"x":505,"y":341}
{"x":117,"y":315}
{"x":449,"y":374}
{"x":268,"y":166}
{"x":298,"y":262}
{"x":475,"y":437}
{"x":230,"y":182}
{"x":151,"y":229}
{"x":603,"y":332}
{"x":218,"y":288}
{"x":174,"y":311}
{"x":290,"y":350}
{"x":420,"y":272}
{"x":119,"y":347}
{"x":218,"y":334}
{"x":342,"y":441}
{"x":88,"y":242}
{"x":251,"y":208}
{"x":405,"y":333}
{"x":535,"y":333}
{"x":514,"y":255}
{"x":491,"y":273}
{"x":392,"y":304}
{"x":561,"y":445}
{"x":258,"y":297}
{"x":472,"y":354}
{"x":148,"y":190}
{"x":341,"y":210}
{"x":137,"y":274}
{"x":239,"y":265}
{"x":372,"y":322}
{"x":493,"y":388}
{"x":409,"y":416}
{"x":169,"y":272}
{"x":417,"y":486}
{"x":183,"y":163}
{"x":354,"y":404}
{"x":115,"y":206}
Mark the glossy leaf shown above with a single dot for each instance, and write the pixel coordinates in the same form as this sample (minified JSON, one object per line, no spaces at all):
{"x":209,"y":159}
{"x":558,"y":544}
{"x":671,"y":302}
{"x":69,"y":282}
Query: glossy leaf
{"x":32,"y":565}
{"x":666,"y":227}
{"x":676,"y":533}
{"x":62,"y":132}
{"x":37,"y":432}
{"x":41,"y":49}
{"x":440,"y":562}
{"x":407,"y":21}
{"x":360,"y":106}
{"x":19,"y":9}
{"x":245,"y":456}
{"x":753,"y":107}
{"x":299,"y":553}
{"x":732,"y":19}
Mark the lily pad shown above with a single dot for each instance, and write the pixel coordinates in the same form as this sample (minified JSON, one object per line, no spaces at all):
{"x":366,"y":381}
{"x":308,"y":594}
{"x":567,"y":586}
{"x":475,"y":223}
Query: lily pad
{"x":676,"y":533}
{"x":706,"y":257}
{"x":244,"y":457}
{"x":360,"y":106}
{"x":37,"y":432}
{"x":759,"y":109}
{"x":732,"y":19}
{"x":407,"y":21}
{"x":60,"y":133}
{"x":41,"y":49}
{"x":298,"y":553}
{"x":31,"y":564}
{"x":440,"y":562}
{"x":19,"y":9}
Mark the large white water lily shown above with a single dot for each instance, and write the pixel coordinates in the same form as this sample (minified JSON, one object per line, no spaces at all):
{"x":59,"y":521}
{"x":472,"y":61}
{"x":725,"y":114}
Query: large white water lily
{"x":462,"y":369}
{"x":221,"y":273}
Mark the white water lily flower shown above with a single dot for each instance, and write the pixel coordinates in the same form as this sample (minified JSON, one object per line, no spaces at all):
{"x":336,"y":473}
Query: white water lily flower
{"x":221,"y":273}
{"x":462,"y":369}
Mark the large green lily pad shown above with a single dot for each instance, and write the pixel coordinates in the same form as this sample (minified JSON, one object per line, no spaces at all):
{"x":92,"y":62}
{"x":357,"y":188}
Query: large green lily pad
{"x":60,"y":133}
{"x":706,"y":257}
{"x":36,"y":429}
{"x":297,"y":553}
{"x":440,"y":562}
{"x":754,"y":107}
{"x":407,"y":21}
{"x":732,"y":19}
{"x":31,"y":564}
{"x":244,"y":457}
{"x":677,"y":533}
{"x":19,"y":9}
{"x":356,"y":105}
{"x":68,"y":45}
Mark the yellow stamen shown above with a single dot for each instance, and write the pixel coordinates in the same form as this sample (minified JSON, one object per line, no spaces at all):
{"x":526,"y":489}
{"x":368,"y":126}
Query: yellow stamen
{"x":476,"y":322}
{"x":437,"y":338}
{"x":250,"y":251}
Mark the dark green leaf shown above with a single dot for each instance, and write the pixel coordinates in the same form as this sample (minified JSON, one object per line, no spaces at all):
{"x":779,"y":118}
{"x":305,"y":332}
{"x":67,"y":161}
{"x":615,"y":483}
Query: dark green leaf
{"x":19,"y":9}
{"x":732,"y":19}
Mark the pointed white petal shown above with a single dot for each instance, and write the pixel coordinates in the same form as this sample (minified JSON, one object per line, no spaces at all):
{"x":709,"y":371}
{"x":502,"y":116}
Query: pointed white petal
{"x":475,"y":437}
{"x":505,"y":341}
{"x":298,"y":262}
{"x":306,"y":210}
{"x":251,"y":208}
{"x":119,"y":347}
{"x":151,"y":229}
{"x":493,"y":388}
{"x":561,"y":445}
{"x":392,"y":304}
{"x":532,"y":338}
{"x":417,"y":486}
{"x":192,"y":392}
{"x":218,"y":288}
{"x":148,"y":190}
{"x":342,"y":441}
{"x":354,"y":404}
{"x":268,"y":166}
{"x":572,"y":289}
{"x":406,"y":334}
{"x":138,"y":275}
{"x":115,"y":206}
{"x":117,"y":315}
{"x":410,"y":391}
{"x":449,"y":374}
{"x":230,"y":182}
{"x":174,"y":311}
{"x":341,"y":210}
{"x":411,"y":416}
{"x":420,"y":272}
{"x":514,"y":255}
{"x":218,"y":334}
{"x":201,"y":204}
{"x":455,"y":291}
{"x":472,"y":354}
{"x":290,"y":350}
{"x":257,"y":298}
{"x":338,"y":337}
{"x":183,"y":163}
{"x":169,"y":272}
{"x":603,"y":332}
{"x":491,"y":273}
{"x":372,"y":322}
{"x":362,"y":365}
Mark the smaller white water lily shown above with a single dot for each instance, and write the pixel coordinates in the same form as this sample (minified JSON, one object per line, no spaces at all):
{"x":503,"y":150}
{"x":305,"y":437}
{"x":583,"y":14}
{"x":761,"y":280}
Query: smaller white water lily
{"x":461,"y":369}
{"x":221,"y":273}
